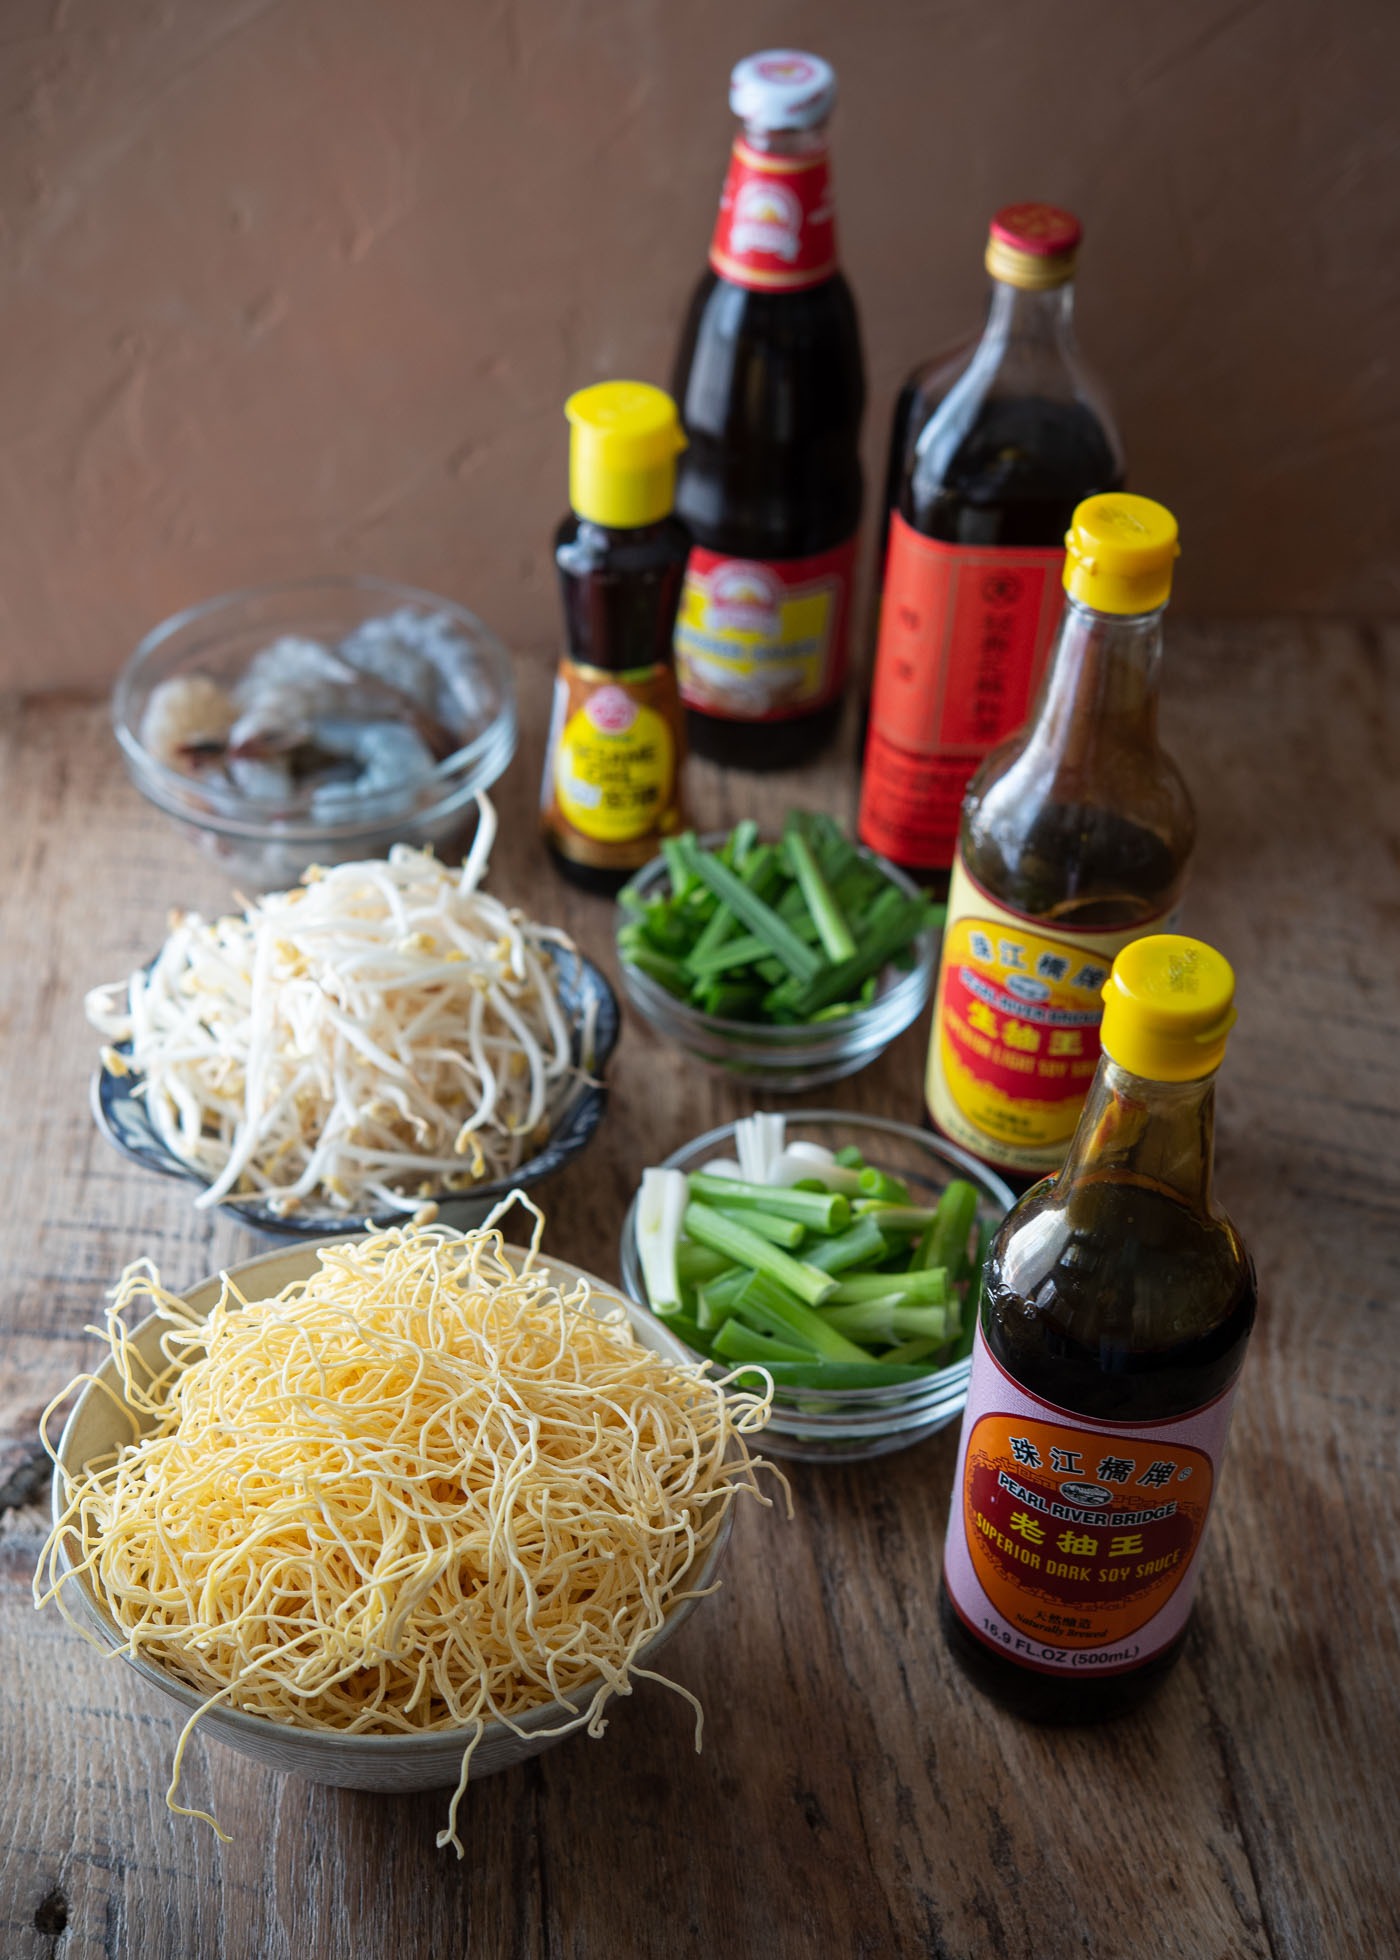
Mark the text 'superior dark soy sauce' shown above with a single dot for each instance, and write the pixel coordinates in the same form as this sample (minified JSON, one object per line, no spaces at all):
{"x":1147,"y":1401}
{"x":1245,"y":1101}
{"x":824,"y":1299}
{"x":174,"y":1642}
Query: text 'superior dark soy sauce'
{"x":991,"y":450}
{"x":1118,"y":1296}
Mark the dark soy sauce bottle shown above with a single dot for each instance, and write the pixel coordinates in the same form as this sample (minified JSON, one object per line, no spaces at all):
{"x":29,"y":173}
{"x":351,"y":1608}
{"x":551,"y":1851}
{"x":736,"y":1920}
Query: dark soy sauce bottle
{"x":1117,"y":1303}
{"x":770,"y":379}
{"x":612,"y":775}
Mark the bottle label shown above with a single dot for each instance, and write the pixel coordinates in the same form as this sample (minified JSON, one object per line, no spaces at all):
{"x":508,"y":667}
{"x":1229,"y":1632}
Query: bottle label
{"x":611,"y":778}
{"x":1072,"y":1544}
{"x":763,"y":642}
{"x":776,"y":229}
{"x":964,"y":635}
{"x":1015,"y":1038}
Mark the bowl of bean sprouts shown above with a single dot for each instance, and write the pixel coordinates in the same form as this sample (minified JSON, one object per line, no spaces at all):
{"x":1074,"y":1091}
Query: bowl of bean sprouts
{"x":383,"y":1036}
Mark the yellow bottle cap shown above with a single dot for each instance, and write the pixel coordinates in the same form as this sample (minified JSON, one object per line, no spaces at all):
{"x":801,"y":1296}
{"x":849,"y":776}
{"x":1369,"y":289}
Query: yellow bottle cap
{"x":1121,"y":552}
{"x":1169,"y":1004}
{"x":624,"y":441}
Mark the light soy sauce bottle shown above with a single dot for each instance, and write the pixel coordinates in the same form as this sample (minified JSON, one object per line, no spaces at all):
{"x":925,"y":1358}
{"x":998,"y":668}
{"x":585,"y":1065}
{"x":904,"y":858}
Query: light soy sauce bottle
{"x":1117,"y":1303}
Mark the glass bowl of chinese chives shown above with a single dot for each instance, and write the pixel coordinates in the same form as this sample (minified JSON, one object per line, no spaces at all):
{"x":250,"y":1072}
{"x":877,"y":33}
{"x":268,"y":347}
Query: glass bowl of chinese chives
{"x":786,"y":1059}
{"x":822,"y":1425}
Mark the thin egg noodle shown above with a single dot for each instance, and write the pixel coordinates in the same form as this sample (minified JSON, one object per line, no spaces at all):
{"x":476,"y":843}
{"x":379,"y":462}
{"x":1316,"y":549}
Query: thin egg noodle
{"x":425,"y":1489}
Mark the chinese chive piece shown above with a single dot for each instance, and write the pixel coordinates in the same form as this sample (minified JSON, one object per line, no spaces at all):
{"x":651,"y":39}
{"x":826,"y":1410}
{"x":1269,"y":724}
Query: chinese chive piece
{"x":789,"y":933}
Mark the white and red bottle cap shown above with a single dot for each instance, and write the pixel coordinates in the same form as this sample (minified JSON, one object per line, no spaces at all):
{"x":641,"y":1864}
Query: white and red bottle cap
{"x":783,"y":88}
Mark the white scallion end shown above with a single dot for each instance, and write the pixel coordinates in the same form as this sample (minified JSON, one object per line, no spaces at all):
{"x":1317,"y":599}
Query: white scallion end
{"x":661,"y":1207}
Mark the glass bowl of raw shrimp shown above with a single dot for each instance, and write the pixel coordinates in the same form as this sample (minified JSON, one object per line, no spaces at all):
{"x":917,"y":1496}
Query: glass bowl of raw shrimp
{"x":316,"y":722}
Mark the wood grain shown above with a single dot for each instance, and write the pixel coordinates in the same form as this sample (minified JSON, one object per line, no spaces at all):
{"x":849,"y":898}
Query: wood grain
{"x":853,"y":1796}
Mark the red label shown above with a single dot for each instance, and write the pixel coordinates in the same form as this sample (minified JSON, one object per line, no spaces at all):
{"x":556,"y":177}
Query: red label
{"x":1072,"y":1544}
{"x":763,"y":641}
{"x":964,"y":634}
{"x":776,"y":229}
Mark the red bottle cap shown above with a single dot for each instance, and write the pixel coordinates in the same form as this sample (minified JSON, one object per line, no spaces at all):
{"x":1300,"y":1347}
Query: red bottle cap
{"x":1033,"y":245}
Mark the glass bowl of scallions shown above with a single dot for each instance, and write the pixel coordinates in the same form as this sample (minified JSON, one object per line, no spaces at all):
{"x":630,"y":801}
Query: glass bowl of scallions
{"x":784,"y":962}
{"x":841,"y":1254}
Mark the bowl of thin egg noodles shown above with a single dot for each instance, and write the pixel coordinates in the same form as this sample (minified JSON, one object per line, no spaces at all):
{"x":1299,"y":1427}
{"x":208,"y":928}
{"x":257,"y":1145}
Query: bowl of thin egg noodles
{"x":393,"y":1512}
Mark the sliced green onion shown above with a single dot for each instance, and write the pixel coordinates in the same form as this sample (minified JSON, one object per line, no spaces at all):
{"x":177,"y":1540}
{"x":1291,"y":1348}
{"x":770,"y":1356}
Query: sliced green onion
{"x":776,"y":1312}
{"x":820,"y":1211}
{"x":856,"y":1247}
{"x":747,"y":1248}
{"x":945,"y":1241}
{"x":928,"y":1287}
{"x":736,"y":1342}
{"x":786,"y":1232}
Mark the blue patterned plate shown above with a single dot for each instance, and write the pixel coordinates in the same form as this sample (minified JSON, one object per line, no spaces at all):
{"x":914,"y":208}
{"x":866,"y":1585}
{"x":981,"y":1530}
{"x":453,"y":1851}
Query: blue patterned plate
{"x":121,"y":1116}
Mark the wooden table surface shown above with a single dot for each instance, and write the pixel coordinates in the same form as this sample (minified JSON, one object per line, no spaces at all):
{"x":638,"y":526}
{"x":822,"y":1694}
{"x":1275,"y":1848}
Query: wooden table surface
{"x":854,"y":1796}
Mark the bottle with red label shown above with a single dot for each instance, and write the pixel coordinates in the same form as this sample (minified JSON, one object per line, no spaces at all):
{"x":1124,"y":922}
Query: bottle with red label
{"x":771,"y":385}
{"x":1116,"y":1306}
{"x":992,"y":449}
{"x":1076,"y":838}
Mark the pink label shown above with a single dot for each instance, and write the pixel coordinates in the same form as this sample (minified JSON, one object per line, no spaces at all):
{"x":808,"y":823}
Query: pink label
{"x":1073,"y":1545}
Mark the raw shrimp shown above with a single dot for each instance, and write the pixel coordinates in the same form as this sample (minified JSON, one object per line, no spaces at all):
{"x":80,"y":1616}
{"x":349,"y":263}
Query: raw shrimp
{"x":189,"y":712}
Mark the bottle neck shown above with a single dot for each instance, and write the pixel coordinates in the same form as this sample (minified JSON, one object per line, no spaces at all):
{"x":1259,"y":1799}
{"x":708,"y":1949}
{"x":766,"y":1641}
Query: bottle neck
{"x":1102,"y":682}
{"x":776,"y":227}
{"x":785,"y":142}
{"x":1044,"y":319}
{"x":1157,"y":1133}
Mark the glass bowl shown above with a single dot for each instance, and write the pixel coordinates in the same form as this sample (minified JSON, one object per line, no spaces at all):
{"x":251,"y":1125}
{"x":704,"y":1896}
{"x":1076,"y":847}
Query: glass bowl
{"x":825,"y":1425}
{"x":266,"y":846}
{"x":782,"y":1059}
{"x":101,"y":1422}
{"x":120,"y":1113}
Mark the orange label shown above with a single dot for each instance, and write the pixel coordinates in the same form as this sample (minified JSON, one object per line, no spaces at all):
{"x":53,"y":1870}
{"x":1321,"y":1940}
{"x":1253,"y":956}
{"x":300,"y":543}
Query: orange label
{"x":964,"y":634}
{"x":1015,"y":1038}
{"x":1073,"y":1543}
{"x":1062,"y":1569}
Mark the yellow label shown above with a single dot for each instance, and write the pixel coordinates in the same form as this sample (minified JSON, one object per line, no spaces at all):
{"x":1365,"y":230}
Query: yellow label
{"x":758,"y":642}
{"x":1015,"y":1039}
{"x":614,"y":767}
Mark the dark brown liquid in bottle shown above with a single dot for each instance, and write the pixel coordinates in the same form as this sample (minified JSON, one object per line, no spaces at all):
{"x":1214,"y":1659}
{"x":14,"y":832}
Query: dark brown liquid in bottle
{"x":771,"y":389}
{"x":1014,"y":480}
{"x":1015,"y":476}
{"x":1123,"y":1302}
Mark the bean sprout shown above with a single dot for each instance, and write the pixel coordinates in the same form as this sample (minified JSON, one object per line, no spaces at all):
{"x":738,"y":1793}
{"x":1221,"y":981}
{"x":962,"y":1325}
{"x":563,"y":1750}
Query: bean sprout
{"x":383,"y":1033}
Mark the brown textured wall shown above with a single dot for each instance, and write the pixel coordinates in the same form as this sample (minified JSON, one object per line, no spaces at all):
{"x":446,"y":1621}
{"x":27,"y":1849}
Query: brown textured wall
{"x":299,"y":286}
